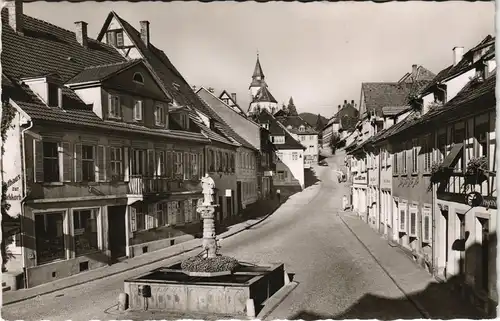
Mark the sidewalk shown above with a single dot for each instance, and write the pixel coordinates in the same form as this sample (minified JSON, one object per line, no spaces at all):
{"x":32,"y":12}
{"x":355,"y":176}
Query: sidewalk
{"x":10,"y":297}
{"x":433,"y":298}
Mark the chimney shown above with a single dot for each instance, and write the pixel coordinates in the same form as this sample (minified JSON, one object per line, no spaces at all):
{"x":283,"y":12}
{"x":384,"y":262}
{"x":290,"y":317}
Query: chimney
{"x":414,"y":69}
{"x":194,"y":87}
{"x":210,"y":89}
{"x":15,"y":10}
{"x":233,"y":97}
{"x":458,"y":53}
{"x":81,"y":33}
{"x":145,"y":32}
{"x":352,"y":102}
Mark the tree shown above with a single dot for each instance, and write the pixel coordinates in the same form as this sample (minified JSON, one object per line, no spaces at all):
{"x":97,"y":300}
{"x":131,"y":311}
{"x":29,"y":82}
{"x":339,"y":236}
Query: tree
{"x":6,"y":116}
{"x":334,"y":140}
{"x":319,"y":123}
{"x":292,"y":111}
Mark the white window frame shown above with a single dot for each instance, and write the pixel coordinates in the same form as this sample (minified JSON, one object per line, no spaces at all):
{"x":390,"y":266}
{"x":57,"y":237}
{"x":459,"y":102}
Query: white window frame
{"x":119,"y":37}
{"x":114,"y":106}
{"x":138,"y":110}
{"x":413,"y":212}
{"x":295,"y":156}
{"x":116,"y":160}
{"x":427,"y":214}
{"x":403,"y":223}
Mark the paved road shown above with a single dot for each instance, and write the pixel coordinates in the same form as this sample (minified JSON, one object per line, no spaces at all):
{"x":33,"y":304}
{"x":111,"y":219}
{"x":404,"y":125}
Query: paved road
{"x":334,"y":270}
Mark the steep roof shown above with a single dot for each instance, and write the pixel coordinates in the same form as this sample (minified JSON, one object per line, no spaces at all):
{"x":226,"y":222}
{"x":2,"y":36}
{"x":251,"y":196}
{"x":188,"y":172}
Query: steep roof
{"x":235,"y":106}
{"x":381,"y":94}
{"x":172,"y":80}
{"x":276,"y":129}
{"x":264,"y":95}
{"x":420,"y":72}
{"x":45,"y":48}
{"x":257,"y":72}
{"x":461,"y":67}
{"x":475,"y":96}
{"x":211,"y":100}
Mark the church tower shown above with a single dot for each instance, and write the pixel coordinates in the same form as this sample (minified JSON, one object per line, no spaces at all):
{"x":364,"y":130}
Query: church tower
{"x":258,"y":80}
{"x":260,"y":97}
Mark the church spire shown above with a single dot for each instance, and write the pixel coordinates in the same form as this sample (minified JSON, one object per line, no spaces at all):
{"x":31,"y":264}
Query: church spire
{"x":258,"y":70}
{"x":258,"y":76}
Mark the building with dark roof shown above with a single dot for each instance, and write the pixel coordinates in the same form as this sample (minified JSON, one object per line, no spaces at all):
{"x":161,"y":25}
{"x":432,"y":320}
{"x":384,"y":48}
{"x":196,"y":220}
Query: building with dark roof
{"x":247,"y":133}
{"x":289,"y":157}
{"x":107,"y":148}
{"x":220,"y":155}
{"x":303,"y":132}
{"x":437,"y":169}
{"x":260,"y":96}
{"x":341,"y":124}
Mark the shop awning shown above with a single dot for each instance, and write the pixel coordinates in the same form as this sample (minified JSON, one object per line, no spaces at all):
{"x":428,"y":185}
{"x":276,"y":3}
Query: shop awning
{"x":451,"y":160}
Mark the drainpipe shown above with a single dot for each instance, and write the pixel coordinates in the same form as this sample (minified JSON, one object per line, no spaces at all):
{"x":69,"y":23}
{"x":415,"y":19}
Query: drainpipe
{"x":25,"y":195}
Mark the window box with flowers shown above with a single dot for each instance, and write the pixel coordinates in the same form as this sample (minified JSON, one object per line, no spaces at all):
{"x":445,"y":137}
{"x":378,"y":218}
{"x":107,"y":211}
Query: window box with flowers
{"x":438,"y":174}
{"x":476,"y":172}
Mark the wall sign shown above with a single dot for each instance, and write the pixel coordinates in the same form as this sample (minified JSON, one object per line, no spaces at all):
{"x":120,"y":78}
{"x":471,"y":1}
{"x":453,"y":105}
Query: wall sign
{"x":473,"y":199}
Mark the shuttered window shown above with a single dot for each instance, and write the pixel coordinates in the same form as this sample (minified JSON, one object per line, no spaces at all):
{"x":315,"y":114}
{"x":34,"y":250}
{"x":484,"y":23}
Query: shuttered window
{"x":187,"y":167}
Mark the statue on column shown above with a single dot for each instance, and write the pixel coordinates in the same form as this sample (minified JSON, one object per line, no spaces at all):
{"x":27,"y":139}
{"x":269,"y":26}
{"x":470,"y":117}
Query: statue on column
{"x":207,"y":184}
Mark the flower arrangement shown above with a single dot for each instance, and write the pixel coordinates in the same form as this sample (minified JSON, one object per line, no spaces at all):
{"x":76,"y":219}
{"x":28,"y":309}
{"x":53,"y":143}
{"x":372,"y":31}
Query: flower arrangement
{"x":438,"y":172}
{"x":478,"y":165}
{"x":216,"y":264}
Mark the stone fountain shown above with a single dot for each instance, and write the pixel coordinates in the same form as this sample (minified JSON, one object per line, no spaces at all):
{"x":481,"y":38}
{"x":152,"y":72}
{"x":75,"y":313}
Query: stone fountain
{"x":208,"y":283}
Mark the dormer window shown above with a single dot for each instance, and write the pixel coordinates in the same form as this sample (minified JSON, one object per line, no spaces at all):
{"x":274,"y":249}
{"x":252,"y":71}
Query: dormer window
{"x":176,"y":85}
{"x":302,"y":128}
{"x":266,"y":126}
{"x":289,"y":127}
{"x":54,"y":95}
{"x":115,"y":38}
{"x":184,"y":120}
{"x":159,"y":115}
{"x":138,"y":78}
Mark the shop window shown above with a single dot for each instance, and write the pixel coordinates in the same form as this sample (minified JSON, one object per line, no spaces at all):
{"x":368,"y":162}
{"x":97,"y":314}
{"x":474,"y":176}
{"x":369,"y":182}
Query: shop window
{"x":85,"y":231}
{"x":49,"y":237}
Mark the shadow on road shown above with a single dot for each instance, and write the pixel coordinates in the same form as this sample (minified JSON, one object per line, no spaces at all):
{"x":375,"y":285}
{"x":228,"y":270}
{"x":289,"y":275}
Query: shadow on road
{"x":310,"y":177}
{"x":444,"y":300}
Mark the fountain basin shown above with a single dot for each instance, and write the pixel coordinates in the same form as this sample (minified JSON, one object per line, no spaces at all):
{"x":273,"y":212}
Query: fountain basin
{"x":171,"y":289}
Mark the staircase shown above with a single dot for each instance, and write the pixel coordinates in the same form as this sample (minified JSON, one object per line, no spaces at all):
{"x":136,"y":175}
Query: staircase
{"x":5,"y":287}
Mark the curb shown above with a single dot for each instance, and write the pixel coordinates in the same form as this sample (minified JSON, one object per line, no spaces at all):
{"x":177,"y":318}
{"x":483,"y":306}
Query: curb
{"x":276,"y":300}
{"x":183,"y":248}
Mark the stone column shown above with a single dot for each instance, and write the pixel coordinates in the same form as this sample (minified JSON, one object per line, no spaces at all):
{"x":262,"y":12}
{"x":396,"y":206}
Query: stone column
{"x":209,"y":242}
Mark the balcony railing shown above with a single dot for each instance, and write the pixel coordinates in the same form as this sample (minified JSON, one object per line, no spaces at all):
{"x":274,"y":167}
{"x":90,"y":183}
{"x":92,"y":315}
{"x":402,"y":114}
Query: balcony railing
{"x":140,"y":185}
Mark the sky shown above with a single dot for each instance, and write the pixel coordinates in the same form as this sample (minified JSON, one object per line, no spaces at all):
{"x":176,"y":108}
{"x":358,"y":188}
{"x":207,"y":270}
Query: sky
{"x":319,"y":53}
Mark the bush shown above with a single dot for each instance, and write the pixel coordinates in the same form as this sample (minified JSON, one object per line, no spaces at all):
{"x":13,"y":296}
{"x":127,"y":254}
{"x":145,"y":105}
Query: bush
{"x":216,"y":264}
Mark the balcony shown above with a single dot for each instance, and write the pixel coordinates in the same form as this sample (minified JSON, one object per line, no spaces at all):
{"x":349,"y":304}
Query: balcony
{"x":140,"y":185}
